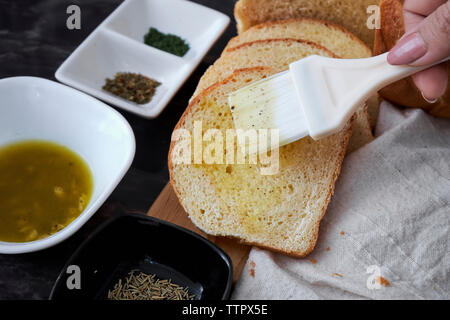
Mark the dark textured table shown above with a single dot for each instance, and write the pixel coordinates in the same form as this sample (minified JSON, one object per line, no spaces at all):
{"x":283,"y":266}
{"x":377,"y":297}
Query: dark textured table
{"x":34,"y":41}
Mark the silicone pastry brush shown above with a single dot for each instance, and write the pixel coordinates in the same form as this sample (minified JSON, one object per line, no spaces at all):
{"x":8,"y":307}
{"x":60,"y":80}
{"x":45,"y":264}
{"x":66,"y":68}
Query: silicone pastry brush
{"x":316,"y":96}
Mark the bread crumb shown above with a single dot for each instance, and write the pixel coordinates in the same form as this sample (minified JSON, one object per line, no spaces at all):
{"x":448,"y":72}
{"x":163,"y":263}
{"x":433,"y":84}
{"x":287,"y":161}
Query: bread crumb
{"x":313,"y":261}
{"x":342,"y":233}
{"x":252,"y":268}
{"x":337,"y":275}
{"x":383,"y":281}
{"x":327,"y":249}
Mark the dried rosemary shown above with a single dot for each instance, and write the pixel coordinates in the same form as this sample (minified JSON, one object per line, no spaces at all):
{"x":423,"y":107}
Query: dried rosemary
{"x":147,"y":287}
{"x":132,"y":86}
{"x":166,"y":42}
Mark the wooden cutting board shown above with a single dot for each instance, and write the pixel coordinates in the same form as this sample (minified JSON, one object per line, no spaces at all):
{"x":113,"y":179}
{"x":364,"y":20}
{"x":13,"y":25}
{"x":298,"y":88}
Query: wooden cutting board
{"x":168,"y":208}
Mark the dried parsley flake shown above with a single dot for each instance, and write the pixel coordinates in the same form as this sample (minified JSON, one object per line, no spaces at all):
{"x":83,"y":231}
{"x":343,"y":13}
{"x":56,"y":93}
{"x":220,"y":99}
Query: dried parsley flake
{"x":132,"y":86}
{"x":167,"y":42}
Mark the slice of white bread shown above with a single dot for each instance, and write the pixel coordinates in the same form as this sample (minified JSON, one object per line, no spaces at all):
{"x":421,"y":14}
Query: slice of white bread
{"x":351,"y":14}
{"x":280,"y":212}
{"x":278,"y":54}
{"x":329,"y":35}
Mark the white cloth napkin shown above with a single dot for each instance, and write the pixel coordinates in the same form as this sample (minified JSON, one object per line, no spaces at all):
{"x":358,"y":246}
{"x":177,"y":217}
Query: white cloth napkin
{"x":385,"y":234}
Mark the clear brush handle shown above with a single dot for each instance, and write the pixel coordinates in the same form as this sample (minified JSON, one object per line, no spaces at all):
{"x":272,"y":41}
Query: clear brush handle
{"x":338,"y":87}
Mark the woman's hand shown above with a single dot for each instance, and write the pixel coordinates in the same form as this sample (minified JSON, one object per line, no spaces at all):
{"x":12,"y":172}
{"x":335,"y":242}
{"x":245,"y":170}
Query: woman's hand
{"x":426,"y":40}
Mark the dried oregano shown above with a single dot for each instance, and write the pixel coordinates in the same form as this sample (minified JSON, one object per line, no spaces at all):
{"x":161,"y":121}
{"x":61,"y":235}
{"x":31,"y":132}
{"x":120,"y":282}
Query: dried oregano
{"x":132,"y":86}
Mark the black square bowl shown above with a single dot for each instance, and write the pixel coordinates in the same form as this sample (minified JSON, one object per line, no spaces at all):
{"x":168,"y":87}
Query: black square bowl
{"x":137,"y":242}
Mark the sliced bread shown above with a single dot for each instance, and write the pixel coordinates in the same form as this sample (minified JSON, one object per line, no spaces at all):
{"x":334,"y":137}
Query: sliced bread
{"x":280,"y":212}
{"x":327,"y":34}
{"x":274,"y":53}
{"x":351,"y":14}
{"x":278,"y":54}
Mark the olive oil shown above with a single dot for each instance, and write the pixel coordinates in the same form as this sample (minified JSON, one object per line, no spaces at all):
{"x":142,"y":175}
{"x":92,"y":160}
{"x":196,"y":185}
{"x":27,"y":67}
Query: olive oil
{"x":43,"y":188}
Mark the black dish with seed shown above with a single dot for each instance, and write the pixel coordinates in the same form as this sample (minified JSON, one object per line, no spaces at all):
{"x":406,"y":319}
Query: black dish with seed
{"x":149,"y":245}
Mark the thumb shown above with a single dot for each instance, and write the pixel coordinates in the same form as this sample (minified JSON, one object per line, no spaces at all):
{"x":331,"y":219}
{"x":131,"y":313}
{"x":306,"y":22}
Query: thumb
{"x":426,"y":43}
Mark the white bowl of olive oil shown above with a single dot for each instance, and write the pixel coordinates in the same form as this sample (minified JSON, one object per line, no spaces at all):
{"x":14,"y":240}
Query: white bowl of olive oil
{"x":62,"y":153}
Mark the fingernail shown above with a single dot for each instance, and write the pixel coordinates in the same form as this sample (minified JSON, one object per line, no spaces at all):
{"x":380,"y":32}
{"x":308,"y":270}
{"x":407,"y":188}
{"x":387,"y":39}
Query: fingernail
{"x":428,"y":100}
{"x":407,"y":50}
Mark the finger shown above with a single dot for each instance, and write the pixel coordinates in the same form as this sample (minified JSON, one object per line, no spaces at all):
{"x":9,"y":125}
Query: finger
{"x":426,"y":43}
{"x":411,"y":20}
{"x":422,"y":7}
{"x":432,"y":82}
{"x":408,"y":49}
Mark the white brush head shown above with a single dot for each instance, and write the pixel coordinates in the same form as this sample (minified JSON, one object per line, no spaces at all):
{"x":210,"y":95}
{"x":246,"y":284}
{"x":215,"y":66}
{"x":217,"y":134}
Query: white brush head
{"x":271,"y":103}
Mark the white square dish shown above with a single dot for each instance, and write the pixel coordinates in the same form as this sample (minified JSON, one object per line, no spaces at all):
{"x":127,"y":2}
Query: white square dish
{"x":117,"y":45}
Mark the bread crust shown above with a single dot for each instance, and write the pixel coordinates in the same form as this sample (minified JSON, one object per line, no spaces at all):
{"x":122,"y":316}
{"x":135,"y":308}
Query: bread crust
{"x":335,"y":174}
{"x":403,"y":92}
